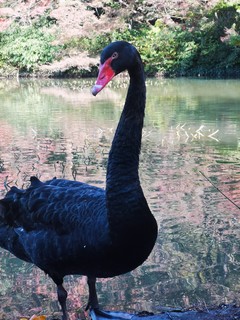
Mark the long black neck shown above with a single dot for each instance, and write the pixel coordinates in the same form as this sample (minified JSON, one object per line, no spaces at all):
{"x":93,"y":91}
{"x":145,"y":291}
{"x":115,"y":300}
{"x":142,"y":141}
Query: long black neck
{"x":122,"y":171}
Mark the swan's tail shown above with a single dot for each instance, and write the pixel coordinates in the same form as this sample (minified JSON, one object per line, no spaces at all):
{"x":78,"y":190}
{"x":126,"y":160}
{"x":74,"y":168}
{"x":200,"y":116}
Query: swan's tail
{"x":9,"y":238}
{"x":2,"y":215}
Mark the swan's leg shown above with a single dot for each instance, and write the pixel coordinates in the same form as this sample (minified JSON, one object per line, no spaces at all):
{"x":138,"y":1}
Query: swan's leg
{"x":95,"y":312}
{"x":62,"y":297}
{"x":93,"y":299}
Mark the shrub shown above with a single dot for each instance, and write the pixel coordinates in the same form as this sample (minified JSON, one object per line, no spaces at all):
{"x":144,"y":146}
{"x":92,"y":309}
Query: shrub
{"x":93,"y":45}
{"x":26,"y":47}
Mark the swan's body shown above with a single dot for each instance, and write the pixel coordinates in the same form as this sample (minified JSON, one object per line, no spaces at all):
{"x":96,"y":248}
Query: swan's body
{"x":67,"y":227}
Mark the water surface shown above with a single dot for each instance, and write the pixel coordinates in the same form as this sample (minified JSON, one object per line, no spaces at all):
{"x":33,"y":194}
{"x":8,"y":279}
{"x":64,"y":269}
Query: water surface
{"x":56,"y":128}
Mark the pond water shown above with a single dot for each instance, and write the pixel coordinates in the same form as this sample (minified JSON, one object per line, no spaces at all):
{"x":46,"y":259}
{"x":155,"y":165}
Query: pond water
{"x":192,"y":126}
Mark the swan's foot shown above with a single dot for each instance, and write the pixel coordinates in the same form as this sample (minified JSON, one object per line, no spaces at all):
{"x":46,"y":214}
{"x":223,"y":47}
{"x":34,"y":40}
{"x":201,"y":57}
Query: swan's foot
{"x":98,"y":314}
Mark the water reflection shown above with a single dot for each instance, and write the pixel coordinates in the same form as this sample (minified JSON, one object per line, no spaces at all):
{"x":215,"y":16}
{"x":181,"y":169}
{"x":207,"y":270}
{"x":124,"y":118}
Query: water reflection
{"x":56,"y":128}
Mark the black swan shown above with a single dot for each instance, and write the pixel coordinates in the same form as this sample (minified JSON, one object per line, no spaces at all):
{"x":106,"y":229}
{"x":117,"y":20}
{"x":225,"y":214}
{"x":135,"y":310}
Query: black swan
{"x":68,"y":227}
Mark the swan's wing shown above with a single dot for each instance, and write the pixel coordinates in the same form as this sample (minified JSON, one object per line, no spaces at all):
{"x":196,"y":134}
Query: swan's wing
{"x":58,"y":204}
{"x":57,"y":219}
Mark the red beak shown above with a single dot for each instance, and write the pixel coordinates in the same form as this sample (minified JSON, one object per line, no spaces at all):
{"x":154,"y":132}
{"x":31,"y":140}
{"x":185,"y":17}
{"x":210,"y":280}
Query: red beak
{"x":106,"y":73}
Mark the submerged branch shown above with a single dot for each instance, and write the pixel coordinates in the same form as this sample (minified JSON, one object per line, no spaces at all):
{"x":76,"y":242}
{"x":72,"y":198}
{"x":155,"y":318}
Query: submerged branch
{"x":218,"y":189}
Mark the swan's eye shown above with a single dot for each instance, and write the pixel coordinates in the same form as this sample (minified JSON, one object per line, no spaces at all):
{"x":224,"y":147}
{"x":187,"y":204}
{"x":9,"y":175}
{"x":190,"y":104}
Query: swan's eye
{"x":115,"y":55}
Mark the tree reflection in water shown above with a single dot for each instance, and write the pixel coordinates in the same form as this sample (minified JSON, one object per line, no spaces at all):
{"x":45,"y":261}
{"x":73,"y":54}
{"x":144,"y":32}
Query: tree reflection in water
{"x":56,"y":128}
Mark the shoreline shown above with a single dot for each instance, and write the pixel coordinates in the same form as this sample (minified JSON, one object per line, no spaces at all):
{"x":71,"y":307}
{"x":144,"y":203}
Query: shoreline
{"x":91,"y":72}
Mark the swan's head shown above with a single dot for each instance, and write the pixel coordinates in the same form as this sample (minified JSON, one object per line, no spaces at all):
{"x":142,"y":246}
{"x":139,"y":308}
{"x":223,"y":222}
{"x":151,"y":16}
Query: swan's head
{"x":115,"y":58}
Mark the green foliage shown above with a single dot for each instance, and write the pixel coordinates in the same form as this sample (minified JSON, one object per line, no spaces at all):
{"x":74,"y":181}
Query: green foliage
{"x":188,"y":48}
{"x":93,"y":44}
{"x":114,"y":5}
{"x":167,"y":50}
{"x":235,"y":40}
{"x":26,"y":47}
{"x":202,"y":42}
{"x":215,"y":53}
{"x":194,"y":46}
